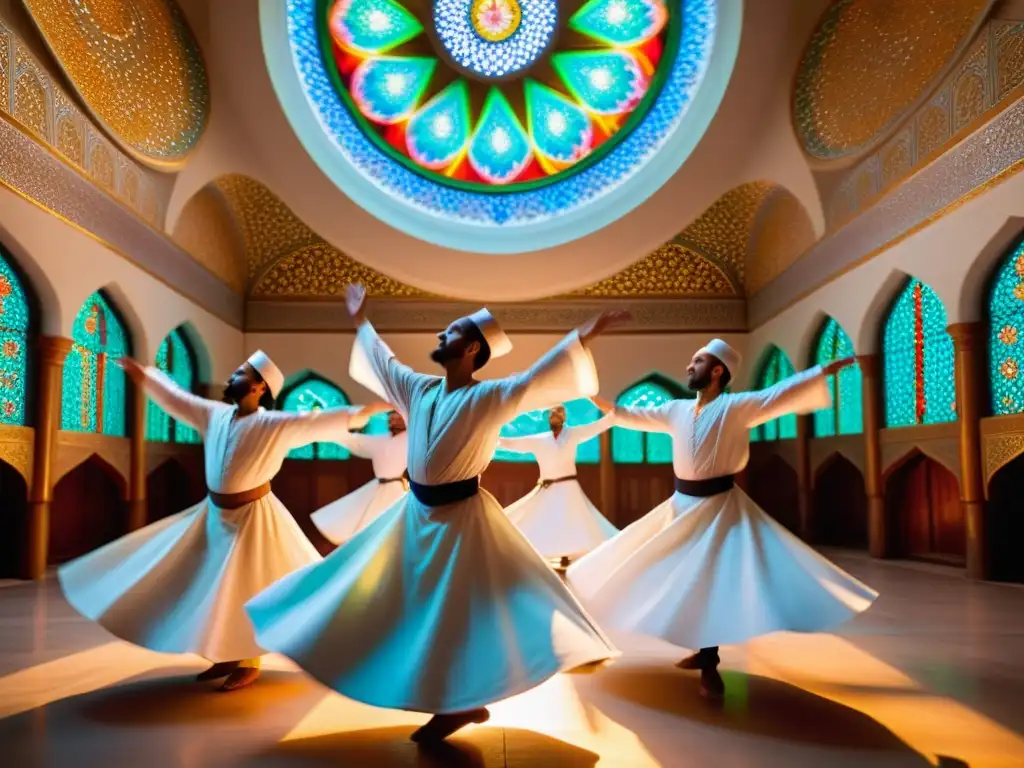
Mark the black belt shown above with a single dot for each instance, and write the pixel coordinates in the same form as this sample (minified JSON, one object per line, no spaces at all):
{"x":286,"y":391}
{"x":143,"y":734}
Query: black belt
{"x":704,"y":488}
{"x":383,"y":480}
{"x":545,"y":483}
{"x":446,"y":493}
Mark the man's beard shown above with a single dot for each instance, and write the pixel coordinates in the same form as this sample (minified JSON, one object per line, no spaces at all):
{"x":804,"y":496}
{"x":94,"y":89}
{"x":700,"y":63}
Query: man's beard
{"x":699,"y":383}
{"x":235,"y":391}
{"x":443,"y":354}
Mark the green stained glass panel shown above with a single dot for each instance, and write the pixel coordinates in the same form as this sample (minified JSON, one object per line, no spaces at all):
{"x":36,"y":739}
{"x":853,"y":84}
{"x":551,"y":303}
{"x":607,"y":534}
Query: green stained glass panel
{"x":844,"y":416}
{"x":377,"y":425}
{"x":14,"y":324}
{"x":158,"y":423}
{"x":577,"y":413}
{"x":1005,"y":343}
{"x":775,"y":368}
{"x":314,"y":394}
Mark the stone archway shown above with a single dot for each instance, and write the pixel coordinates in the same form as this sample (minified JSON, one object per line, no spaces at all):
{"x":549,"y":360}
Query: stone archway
{"x":88,"y":510}
{"x":840,"y":505}
{"x":171,"y":488}
{"x":922,"y":501}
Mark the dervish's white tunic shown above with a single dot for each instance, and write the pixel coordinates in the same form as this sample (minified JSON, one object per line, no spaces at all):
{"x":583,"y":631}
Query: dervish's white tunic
{"x":700,"y":572}
{"x":558,"y":518}
{"x":180,"y":585}
{"x":440,"y":609}
{"x":342,"y":519}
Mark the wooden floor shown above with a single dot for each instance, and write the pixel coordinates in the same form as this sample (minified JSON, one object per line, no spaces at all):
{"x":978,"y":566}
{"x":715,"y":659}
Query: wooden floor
{"x":932,"y":674}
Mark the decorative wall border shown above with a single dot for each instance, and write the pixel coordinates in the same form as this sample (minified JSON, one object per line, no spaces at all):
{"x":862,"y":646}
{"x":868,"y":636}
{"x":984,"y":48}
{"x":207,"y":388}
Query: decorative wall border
{"x":981,"y":161}
{"x":549,"y":316}
{"x":37,"y":174}
{"x":16,"y":449}
{"x":1002,"y":441}
{"x":73,"y":448}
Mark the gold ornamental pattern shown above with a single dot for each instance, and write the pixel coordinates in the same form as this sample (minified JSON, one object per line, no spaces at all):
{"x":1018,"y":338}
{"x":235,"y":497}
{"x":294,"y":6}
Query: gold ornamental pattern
{"x":869,"y":63}
{"x":672,"y":270}
{"x":137,"y":67}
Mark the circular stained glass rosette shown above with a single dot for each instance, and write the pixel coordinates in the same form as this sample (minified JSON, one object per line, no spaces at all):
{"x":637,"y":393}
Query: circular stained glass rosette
{"x":499,"y":111}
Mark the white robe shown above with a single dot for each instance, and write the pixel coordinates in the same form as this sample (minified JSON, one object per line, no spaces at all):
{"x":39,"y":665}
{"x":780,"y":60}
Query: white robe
{"x":701,"y":572}
{"x":558,"y":519}
{"x":342,"y":519}
{"x":180,"y":585}
{"x":439,"y":609}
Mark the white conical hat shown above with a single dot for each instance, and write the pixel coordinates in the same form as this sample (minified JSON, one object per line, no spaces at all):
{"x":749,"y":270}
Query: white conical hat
{"x":730,"y":358}
{"x":265,"y":367}
{"x":496,"y":339}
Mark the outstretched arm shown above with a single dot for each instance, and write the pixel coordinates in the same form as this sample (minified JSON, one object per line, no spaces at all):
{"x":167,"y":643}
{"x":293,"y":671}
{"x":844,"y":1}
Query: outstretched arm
{"x":326,"y":425}
{"x":805,"y":392}
{"x":373,"y":364}
{"x":656,"y":419}
{"x":525,"y":444}
{"x":585,"y":432}
{"x":566,"y":372}
{"x":182,"y":405}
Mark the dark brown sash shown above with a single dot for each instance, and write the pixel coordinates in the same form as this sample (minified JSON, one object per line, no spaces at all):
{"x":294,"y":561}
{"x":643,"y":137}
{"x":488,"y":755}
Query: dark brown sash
{"x":446,"y":493}
{"x":702,"y":489}
{"x":236,"y":500}
{"x":545,"y":482}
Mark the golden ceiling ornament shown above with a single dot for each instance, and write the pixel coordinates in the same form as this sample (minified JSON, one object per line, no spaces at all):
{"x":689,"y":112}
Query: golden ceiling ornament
{"x":320,"y":271}
{"x":137,"y":67}
{"x":209,"y":232}
{"x":870,"y":63}
{"x":670,"y":271}
{"x":782,"y":234}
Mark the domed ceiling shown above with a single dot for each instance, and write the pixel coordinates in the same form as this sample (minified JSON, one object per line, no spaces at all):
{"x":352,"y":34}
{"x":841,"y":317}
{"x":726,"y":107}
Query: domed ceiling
{"x":453,"y":118}
{"x":869,"y":63}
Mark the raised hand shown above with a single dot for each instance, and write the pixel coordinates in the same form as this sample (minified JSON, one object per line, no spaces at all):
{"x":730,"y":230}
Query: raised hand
{"x":355,"y":303}
{"x":133,"y":369}
{"x":837,"y":365}
{"x":598,"y":324}
{"x":605,"y":406}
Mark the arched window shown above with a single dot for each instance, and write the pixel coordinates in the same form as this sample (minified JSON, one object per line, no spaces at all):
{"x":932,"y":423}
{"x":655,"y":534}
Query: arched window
{"x":15,"y":318}
{"x":94,"y":396}
{"x":311,"y":393}
{"x":632,"y":447}
{"x":577,"y":413}
{"x":844,"y":416}
{"x":1006,"y":326}
{"x":775,"y":368}
{"x":177,"y":359}
{"x":918,"y":360}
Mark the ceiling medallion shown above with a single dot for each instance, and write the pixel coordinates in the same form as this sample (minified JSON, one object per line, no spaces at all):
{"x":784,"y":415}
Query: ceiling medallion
{"x":499,"y":112}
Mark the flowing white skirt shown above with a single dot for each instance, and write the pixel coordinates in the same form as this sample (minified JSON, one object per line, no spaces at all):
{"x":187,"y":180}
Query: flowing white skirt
{"x":342,"y":519}
{"x":560,"y":521}
{"x":180,"y":585}
{"x":700,"y":572}
{"x":430,"y":610}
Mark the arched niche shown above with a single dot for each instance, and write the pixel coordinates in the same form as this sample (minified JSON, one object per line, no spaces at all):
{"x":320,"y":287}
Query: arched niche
{"x":922,"y":507}
{"x":310,"y":391}
{"x":1005,"y":522}
{"x":13,"y":519}
{"x":173,"y":487}
{"x":88,"y":510}
{"x":773,"y":485}
{"x":840,"y":504}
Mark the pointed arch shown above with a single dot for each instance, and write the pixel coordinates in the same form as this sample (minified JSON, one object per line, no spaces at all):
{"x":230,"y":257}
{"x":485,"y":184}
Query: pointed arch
{"x":19,"y":322}
{"x":917,"y":359}
{"x":632,"y":447}
{"x":1005,"y":309}
{"x":844,"y":416}
{"x":577,"y":413}
{"x":309,"y":391}
{"x":94,"y":395}
{"x":775,"y":366}
{"x":176,"y":357}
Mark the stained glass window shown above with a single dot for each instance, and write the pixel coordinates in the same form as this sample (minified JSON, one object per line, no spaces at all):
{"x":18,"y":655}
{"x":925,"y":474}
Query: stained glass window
{"x":311,"y":394}
{"x":632,"y":447}
{"x":93,"y":397}
{"x":844,"y":417}
{"x":14,"y":339}
{"x":918,"y":360}
{"x":177,"y":359}
{"x":577,"y":413}
{"x":775,"y":368}
{"x":1006,"y":322}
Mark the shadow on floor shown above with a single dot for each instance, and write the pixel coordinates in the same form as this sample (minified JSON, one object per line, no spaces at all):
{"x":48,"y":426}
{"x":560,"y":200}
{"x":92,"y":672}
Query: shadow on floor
{"x":755,"y":706}
{"x":391,"y":748}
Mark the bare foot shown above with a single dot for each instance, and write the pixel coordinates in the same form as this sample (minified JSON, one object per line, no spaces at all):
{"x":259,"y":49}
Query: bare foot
{"x":240,"y":678}
{"x":217,"y":671}
{"x":441,"y":727}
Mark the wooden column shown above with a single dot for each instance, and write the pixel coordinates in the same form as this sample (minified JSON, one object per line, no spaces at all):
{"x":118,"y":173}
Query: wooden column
{"x":608,"y":506}
{"x":52,"y":351}
{"x":968,"y":345}
{"x":871,"y":396}
{"x":803,"y":476}
{"x":137,"y":457}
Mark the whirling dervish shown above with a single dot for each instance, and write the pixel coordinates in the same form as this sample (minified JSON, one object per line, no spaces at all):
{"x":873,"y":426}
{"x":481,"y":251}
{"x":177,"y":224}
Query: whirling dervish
{"x":556,"y":516}
{"x":180,"y":584}
{"x":440,"y":605}
{"x":340,"y":520}
{"x":708,"y":567}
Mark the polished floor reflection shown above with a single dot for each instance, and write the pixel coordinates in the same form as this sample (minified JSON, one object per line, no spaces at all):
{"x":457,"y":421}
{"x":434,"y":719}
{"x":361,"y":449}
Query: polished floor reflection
{"x":933,"y":674}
